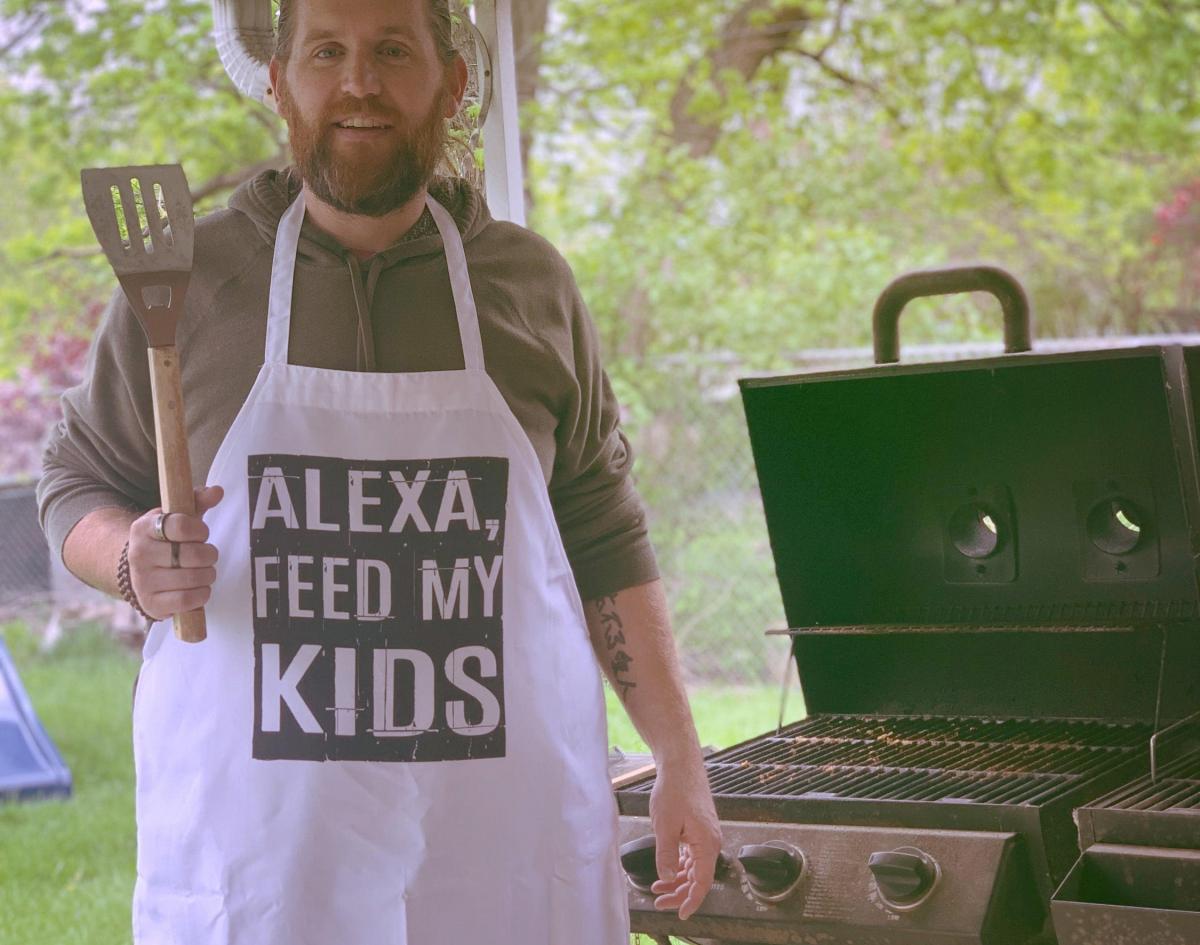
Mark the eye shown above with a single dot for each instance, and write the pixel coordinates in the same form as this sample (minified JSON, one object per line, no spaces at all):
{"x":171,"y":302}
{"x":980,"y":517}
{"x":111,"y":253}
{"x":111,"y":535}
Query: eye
{"x":395,"y":52}
{"x":324,"y":49}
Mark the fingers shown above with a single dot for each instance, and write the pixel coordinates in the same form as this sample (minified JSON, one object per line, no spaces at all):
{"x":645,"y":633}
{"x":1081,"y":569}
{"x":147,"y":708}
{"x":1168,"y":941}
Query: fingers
{"x":667,"y":858}
{"x":675,"y":864}
{"x":700,"y":870}
{"x":167,"y":604}
{"x":192,"y":555}
{"x":161,"y":580}
{"x":685,"y":893}
{"x":696,"y":892}
{"x":208,"y":497}
{"x":180,"y":526}
{"x":164,"y":586}
{"x":162,"y":594}
{"x":692,"y":879}
{"x":176,"y":526}
{"x":671,"y":892}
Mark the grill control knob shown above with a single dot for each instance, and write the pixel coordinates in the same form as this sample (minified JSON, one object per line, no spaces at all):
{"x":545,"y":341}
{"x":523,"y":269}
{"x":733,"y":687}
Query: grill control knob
{"x":772,"y":869}
{"x":905,"y":876}
{"x":637,"y":859}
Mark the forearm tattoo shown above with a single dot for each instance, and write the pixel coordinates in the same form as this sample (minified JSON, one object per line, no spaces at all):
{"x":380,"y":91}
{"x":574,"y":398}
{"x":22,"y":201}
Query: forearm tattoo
{"x":614,"y":639}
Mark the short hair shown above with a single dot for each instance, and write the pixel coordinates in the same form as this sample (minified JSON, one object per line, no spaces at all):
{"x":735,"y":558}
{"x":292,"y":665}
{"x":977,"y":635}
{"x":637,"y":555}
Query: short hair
{"x":440,"y":22}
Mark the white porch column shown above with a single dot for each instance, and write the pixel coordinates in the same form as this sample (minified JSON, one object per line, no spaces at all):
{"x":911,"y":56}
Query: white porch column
{"x":503,"y":174}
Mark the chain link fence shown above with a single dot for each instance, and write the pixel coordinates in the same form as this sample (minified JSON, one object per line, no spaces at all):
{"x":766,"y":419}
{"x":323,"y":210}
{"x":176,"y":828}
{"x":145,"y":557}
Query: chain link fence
{"x":36,"y":589}
{"x":695,"y":472}
{"x":25,"y":562}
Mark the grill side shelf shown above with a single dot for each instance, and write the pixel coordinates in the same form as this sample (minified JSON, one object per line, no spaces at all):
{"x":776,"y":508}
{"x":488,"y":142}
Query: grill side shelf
{"x":1158,"y":813}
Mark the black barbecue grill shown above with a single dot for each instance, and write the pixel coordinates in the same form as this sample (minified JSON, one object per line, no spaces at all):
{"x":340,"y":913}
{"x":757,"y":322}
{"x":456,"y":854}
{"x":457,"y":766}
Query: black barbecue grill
{"x":988,"y":571}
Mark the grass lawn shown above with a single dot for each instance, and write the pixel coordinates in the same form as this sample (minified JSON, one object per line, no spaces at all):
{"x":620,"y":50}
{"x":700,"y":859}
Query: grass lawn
{"x":67,"y":868}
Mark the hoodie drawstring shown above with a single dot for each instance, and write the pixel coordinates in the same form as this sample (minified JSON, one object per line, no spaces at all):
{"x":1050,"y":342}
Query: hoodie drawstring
{"x":364,"y":359}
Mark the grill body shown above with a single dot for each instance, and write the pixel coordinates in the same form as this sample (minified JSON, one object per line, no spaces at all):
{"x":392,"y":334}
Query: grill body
{"x":989,"y":799}
{"x":989,"y":569}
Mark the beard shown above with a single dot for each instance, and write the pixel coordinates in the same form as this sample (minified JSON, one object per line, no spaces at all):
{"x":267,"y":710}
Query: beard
{"x":368,"y":181}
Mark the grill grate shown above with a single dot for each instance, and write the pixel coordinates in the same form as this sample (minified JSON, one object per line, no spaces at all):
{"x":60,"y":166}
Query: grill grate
{"x":960,"y":760}
{"x":1177,"y":789}
{"x":985,"y":730}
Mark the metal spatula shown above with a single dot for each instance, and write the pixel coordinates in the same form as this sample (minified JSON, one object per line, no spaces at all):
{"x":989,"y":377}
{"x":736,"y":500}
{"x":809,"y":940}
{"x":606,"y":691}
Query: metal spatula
{"x":142,"y":217}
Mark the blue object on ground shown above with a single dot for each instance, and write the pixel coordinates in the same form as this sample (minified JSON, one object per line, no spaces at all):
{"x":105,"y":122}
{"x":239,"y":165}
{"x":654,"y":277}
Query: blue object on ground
{"x":30,"y":765}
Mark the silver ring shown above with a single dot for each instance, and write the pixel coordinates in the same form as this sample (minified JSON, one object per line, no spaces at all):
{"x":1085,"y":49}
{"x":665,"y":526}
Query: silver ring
{"x":174,"y":554}
{"x":159,"y":521}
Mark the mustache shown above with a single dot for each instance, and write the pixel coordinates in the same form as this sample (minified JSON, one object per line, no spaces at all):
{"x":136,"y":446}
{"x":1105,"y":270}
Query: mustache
{"x":360,"y":108}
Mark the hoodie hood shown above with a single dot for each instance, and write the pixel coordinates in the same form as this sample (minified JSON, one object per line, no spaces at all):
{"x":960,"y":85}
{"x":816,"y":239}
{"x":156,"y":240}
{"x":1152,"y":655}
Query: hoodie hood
{"x":265,"y":197}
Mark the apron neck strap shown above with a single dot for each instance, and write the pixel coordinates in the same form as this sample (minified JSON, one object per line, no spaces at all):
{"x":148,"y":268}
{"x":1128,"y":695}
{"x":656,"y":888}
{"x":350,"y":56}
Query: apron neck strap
{"x":283,"y":271}
{"x":460,"y":283}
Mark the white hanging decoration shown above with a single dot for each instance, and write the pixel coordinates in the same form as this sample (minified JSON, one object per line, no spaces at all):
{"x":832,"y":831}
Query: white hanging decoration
{"x":244,"y":33}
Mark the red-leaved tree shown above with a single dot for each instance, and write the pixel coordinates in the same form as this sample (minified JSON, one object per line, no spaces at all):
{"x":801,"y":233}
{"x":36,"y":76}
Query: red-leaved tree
{"x":1177,"y":231}
{"x":29,"y":402}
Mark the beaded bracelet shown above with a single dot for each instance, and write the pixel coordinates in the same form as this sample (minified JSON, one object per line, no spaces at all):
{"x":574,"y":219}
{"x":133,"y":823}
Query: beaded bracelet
{"x":126,"y":585}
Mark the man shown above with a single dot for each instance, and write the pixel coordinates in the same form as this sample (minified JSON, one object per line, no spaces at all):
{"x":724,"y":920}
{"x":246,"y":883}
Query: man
{"x":394,"y":732}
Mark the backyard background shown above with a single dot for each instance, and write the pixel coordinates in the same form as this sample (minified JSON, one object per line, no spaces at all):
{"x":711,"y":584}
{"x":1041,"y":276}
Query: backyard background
{"x":733,"y":182}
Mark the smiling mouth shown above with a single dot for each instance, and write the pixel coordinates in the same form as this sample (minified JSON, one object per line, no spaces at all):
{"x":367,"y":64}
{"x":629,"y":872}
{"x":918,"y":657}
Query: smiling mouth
{"x":361,"y":124}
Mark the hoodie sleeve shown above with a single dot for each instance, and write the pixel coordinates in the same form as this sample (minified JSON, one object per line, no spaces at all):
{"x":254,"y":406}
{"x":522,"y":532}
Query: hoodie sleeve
{"x":101,"y":453}
{"x":599,"y":513}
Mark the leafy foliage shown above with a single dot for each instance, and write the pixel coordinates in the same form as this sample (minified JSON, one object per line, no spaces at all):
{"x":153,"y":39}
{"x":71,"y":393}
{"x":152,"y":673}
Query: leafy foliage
{"x":885,"y":136}
{"x":871,"y":137}
{"x":101,"y":84}
{"x":29,"y":402}
{"x":853,"y":141}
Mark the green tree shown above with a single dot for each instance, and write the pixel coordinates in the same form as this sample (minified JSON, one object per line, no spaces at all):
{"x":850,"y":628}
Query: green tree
{"x":91,"y":84}
{"x":746,"y":175}
{"x":736,"y":180}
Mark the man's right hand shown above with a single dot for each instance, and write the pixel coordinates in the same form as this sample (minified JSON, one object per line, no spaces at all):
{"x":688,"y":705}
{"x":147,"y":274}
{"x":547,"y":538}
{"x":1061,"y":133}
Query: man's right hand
{"x":162,"y":589}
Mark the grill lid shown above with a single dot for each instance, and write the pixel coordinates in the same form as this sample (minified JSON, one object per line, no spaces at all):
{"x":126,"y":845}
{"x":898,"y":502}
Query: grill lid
{"x":1036,"y":491}
{"x":1008,"y":497}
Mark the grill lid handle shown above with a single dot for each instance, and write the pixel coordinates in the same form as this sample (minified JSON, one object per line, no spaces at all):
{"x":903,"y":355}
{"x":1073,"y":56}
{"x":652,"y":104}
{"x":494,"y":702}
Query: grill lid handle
{"x":927,"y":282}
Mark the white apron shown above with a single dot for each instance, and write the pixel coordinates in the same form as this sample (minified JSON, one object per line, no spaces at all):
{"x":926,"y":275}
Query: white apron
{"x":395,"y":732}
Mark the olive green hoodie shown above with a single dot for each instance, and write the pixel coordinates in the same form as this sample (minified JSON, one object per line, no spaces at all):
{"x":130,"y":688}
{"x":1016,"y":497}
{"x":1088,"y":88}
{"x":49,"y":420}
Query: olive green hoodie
{"x":391,"y":312}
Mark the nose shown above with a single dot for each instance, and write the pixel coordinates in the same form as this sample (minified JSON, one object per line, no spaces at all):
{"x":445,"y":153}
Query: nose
{"x":359,"y":78}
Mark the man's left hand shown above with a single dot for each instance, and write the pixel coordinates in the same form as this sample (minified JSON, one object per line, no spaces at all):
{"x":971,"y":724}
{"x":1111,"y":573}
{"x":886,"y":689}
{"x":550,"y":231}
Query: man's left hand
{"x":687,"y":836}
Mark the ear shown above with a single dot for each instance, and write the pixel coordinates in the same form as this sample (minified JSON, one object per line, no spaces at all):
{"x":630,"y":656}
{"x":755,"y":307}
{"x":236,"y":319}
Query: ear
{"x":271,"y":97}
{"x":456,"y":80}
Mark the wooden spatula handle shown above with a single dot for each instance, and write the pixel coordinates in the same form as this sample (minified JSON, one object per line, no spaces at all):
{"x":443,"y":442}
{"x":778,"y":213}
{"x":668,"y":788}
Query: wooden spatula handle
{"x":174,"y":465}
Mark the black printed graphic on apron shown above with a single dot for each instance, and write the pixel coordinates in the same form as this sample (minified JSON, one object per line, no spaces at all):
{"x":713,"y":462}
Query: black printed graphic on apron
{"x":377,"y":602}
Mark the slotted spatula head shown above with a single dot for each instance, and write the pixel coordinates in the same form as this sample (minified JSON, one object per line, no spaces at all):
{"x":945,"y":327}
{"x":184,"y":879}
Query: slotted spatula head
{"x":142,"y":217}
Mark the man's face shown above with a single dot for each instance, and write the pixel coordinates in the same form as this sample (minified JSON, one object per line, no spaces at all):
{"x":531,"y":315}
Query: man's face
{"x":371,"y":62}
